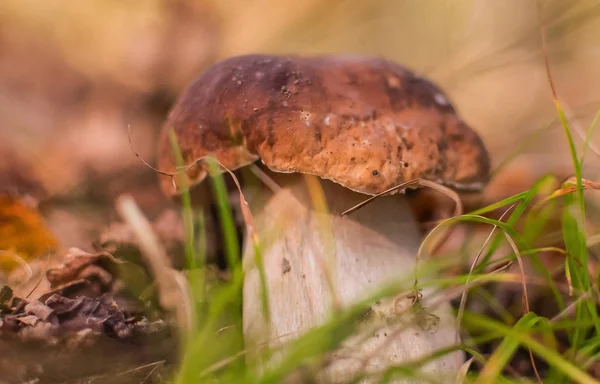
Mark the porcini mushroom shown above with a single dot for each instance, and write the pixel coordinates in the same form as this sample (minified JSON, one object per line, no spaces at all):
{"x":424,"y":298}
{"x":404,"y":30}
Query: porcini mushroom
{"x":361,"y":125}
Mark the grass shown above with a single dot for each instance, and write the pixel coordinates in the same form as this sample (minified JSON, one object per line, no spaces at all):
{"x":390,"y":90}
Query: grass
{"x":564,"y":345}
{"x":567,"y":343}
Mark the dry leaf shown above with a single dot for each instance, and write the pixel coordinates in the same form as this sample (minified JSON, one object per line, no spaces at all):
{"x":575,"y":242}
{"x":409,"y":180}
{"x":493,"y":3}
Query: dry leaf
{"x":23,"y":233}
{"x":30,"y":320}
{"x":39,"y":310}
{"x":79,"y":264}
{"x":570,"y":186}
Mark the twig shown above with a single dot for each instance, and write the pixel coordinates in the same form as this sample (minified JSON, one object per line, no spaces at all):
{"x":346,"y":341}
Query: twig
{"x":415,"y":183}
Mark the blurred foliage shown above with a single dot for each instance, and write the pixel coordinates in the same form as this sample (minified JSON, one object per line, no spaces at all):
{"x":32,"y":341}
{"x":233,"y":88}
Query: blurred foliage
{"x":23,"y":233}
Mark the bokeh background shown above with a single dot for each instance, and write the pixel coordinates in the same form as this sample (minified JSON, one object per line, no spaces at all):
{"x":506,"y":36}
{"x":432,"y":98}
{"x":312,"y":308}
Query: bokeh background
{"x":75,"y":74}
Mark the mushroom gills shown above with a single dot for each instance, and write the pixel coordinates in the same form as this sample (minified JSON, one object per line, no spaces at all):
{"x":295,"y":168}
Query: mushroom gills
{"x":376,"y":245}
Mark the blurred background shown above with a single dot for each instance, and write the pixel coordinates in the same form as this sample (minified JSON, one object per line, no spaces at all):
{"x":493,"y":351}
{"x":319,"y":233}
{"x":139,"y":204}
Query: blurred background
{"x":75,"y":74}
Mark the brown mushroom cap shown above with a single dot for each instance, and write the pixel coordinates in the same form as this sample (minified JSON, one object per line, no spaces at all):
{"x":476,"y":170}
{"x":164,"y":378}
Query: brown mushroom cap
{"x":363,"y":122}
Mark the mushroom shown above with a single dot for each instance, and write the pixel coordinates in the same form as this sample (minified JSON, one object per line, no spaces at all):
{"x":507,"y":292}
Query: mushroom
{"x":360,"y":125}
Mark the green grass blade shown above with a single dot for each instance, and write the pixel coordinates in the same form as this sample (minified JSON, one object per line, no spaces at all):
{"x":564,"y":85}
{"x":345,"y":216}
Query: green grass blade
{"x":523,"y":338}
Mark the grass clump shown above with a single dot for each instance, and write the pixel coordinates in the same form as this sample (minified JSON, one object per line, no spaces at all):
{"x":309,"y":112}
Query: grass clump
{"x":562,"y":347}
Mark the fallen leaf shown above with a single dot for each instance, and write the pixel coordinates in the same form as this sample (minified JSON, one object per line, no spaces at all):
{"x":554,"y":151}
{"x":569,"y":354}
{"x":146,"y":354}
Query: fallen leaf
{"x":23,"y":232}
{"x":570,"y":186}
{"x":59,"y":316}
{"x":41,"y":311}
{"x":79,"y":264}
{"x":30,"y":320}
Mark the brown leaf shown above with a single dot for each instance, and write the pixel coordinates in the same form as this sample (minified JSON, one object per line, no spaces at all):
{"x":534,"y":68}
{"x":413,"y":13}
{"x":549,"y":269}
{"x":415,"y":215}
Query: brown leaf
{"x":70,"y":289}
{"x":40,"y":310}
{"x":30,"y":320}
{"x":79,"y":264}
{"x":570,"y":186}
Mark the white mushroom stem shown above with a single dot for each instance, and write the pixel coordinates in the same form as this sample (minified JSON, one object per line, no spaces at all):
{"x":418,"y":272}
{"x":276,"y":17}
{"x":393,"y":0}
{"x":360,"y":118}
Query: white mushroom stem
{"x":373,"y":246}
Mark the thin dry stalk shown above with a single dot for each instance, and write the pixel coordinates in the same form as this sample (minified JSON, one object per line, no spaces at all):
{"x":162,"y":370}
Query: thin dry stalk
{"x":172,"y":287}
{"x":22,"y":263}
{"x":264,"y":178}
{"x":463,"y":299}
{"x":415,"y":183}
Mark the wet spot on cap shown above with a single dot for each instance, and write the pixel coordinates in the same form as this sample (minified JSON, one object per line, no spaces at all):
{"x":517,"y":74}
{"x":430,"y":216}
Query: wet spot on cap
{"x":441,"y":99}
{"x":393,"y":81}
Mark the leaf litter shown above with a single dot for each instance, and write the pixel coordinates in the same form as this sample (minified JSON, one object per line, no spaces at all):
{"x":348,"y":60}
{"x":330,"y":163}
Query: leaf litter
{"x":86,"y":308}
